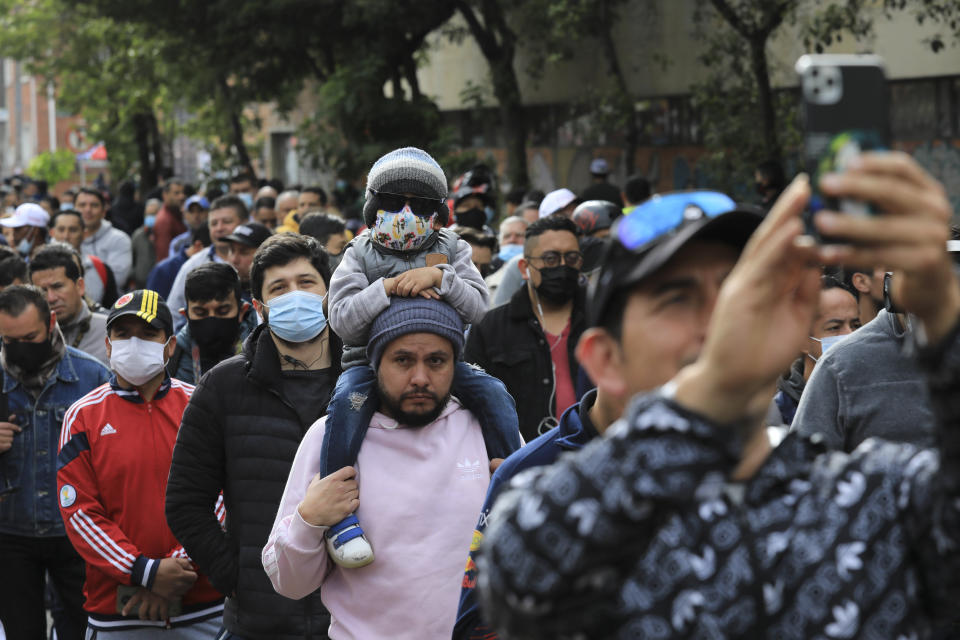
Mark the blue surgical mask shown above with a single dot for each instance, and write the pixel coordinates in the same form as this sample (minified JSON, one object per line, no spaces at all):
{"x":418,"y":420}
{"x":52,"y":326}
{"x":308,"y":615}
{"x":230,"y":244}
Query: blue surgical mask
{"x":296,"y":316}
{"x":149,"y":220}
{"x":25,"y":247}
{"x":247,"y":200}
{"x":825,"y":343}
{"x":509,"y":251}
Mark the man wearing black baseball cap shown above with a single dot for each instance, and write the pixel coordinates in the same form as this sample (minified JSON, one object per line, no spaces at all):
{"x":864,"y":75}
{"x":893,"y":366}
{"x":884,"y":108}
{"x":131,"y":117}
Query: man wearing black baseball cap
{"x":244,"y":242}
{"x":649,"y":309}
{"x":116,"y":447}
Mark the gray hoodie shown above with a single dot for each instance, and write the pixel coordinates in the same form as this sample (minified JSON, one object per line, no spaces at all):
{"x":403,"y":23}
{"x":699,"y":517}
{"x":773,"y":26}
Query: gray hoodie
{"x":113,"y":247}
{"x":866,"y":387}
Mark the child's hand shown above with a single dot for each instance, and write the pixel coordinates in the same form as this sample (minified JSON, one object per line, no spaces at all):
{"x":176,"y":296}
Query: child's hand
{"x":418,"y":282}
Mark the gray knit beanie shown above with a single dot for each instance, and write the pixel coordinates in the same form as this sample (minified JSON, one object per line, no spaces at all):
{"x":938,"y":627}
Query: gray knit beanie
{"x":414,"y":315}
{"x":406,"y":170}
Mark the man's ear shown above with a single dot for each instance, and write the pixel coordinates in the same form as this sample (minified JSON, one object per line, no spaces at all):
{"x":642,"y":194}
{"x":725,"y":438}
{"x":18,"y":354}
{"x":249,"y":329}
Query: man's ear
{"x":523,"y":265}
{"x":861,"y":282}
{"x":81,"y":286}
{"x":600,"y":355}
{"x":170,"y":348}
{"x":259,"y":307}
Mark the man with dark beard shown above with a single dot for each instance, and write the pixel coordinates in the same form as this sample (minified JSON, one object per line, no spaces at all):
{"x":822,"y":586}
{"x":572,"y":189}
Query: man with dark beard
{"x":424,"y":472}
{"x":218,"y":321}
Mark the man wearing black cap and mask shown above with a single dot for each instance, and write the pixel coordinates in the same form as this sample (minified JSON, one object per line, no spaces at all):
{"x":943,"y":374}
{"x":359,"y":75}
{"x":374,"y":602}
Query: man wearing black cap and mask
{"x":41,"y":378}
{"x":529,"y":342}
{"x":116,"y":447}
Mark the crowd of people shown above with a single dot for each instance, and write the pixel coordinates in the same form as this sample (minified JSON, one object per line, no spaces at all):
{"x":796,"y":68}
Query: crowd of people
{"x":434,"y":410}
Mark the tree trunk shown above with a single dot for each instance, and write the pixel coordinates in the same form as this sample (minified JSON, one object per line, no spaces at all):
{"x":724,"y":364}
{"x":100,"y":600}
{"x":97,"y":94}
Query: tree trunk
{"x":513,"y":120}
{"x":613,"y":63}
{"x":497,"y":43}
{"x":761,"y":73}
{"x":156,"y":146}
{"x":141,"y":134}
{"x":236,"y":127}
{"x":410,"y":73}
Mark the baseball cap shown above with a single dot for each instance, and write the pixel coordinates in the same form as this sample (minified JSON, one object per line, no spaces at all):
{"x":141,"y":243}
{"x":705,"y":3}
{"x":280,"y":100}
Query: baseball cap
{"x":28,"y":214}
{"x":147,"y":305}
{"x":556,"y":200}
{"x":251,"y":234}
{"x":599,"y":167}
{"x":646,"y":239}
{"x":197,"y":199}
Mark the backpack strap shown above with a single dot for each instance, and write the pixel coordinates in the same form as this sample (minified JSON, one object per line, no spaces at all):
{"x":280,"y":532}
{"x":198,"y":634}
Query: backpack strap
{"x":100,"y":268}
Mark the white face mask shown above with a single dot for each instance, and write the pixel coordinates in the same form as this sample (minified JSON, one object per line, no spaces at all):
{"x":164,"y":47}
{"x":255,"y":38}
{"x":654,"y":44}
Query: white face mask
{"x":136,"y":360}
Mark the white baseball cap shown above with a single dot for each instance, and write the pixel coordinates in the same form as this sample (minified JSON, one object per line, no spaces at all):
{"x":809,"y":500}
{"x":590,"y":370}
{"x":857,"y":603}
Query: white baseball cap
{"x":556,"y":200}
{"x":28,"y":214}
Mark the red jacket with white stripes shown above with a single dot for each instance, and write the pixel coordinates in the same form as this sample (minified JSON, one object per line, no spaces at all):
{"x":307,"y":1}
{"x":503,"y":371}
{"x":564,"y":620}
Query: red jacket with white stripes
{"x":115,"y":453}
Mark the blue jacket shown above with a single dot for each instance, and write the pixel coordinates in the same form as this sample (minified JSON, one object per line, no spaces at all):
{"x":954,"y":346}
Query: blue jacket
{"x":165,"y":272}
{"x":31,"y":464}
{"x":574,"y":431}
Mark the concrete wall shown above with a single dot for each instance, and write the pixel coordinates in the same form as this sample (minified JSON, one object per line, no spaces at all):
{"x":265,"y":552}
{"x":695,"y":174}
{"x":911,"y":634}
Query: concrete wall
{"x":649,"y":29}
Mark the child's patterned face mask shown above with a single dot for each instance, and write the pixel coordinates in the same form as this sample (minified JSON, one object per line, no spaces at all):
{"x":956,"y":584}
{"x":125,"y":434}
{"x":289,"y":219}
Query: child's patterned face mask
{"x":402,"y":230}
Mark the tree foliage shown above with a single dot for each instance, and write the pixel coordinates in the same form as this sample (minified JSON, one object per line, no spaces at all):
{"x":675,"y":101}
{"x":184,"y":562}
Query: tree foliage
{"x":52,"y":166}
{"x":744,"y":121}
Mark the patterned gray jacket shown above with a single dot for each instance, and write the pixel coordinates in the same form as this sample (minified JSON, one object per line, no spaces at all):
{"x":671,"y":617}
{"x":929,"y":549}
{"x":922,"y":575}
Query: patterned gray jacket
{"x":640,"y":535}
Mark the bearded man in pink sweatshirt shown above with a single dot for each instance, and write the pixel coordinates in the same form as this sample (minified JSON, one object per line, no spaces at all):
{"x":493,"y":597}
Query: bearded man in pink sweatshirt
{"x":423,"y":470}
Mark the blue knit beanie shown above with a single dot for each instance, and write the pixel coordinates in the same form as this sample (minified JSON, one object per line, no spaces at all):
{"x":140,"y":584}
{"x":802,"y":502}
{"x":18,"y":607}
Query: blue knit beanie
{"x":406,"y":170}
{"x":414,"y":315}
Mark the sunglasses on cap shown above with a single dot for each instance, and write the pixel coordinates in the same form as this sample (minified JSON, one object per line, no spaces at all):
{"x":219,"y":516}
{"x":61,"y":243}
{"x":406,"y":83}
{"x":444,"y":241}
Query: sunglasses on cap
{"x":663,"y":214}
{"x":393,"y":202}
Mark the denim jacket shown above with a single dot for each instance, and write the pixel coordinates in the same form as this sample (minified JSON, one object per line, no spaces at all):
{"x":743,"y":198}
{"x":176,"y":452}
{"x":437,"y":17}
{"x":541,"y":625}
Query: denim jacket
{"x":31,"y":464}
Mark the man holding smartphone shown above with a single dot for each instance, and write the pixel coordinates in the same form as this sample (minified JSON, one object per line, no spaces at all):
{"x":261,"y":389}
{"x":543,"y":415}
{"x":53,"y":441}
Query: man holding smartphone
{"x":681,"y":522}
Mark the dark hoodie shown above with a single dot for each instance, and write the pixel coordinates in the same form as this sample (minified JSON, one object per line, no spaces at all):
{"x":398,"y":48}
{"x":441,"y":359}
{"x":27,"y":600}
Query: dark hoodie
{"x":789,"y":389}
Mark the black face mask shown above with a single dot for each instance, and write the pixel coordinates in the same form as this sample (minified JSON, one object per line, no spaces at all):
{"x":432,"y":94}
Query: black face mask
{"x":215,"y":336}
{"x":28,"y":356}
{"x":474,"y":218}
{"x":558,"y":284}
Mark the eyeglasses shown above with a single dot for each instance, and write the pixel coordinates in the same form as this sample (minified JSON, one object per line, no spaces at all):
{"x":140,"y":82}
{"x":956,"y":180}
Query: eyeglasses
{"x":663,"y":214}
{"x":392,"y":202}
{"x":554,"y":258}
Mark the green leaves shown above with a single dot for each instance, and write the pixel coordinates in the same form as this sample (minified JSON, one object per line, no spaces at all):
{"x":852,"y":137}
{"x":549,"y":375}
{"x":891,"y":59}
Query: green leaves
{"x":53,"y":167}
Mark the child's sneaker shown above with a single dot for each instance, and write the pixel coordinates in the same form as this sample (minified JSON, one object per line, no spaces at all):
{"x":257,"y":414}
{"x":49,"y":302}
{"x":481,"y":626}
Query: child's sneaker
{"x":347,"y":545}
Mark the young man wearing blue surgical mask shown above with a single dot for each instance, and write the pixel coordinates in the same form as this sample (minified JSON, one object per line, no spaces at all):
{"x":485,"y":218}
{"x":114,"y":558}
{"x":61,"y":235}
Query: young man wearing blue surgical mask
{"x":837,"y":317}
{"x":406,"y":252}
{"x":240,"y":434}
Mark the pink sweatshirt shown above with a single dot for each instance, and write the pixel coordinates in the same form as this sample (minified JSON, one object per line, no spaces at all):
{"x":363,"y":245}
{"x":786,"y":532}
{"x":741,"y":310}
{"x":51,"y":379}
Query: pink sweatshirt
{"x":420,"y":492}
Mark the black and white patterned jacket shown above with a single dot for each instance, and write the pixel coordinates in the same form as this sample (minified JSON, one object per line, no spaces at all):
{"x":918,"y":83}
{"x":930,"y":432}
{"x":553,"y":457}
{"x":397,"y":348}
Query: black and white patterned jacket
{"x":639,"y":534}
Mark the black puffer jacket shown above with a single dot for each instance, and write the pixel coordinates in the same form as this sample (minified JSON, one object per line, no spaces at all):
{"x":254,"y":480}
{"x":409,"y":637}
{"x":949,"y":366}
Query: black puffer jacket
{"x":240,"y":435}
